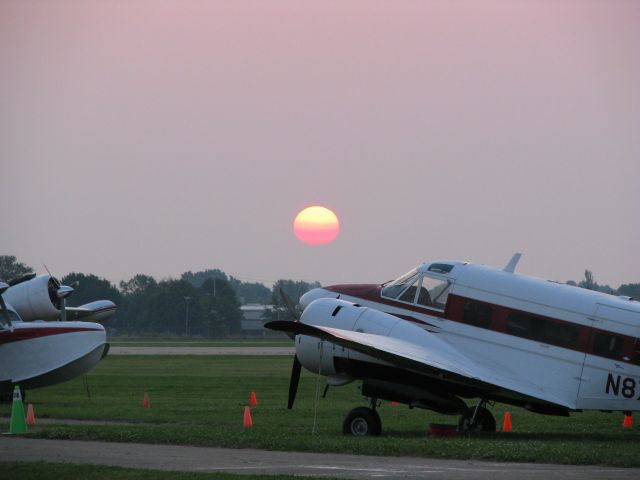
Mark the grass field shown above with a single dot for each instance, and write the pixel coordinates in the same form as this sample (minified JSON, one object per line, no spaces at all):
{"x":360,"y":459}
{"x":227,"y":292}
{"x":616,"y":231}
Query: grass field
{"x":200,"y":401}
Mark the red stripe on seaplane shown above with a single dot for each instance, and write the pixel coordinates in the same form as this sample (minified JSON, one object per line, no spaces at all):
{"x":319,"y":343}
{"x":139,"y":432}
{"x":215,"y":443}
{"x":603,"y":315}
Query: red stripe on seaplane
{"x":31,"y":333}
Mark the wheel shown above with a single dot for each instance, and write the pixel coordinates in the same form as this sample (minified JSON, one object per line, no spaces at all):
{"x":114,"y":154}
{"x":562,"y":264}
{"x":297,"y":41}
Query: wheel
{"x":484,"y":421}
{"x":362,"y":421}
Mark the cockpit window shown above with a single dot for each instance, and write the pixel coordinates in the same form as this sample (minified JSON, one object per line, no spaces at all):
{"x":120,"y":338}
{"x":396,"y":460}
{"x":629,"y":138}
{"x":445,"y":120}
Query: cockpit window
{"x":419,"y":289}
{"x":434,"y":293}
{"x":409,"y":293}
{"x":395,"y":288}
{"x":440,"y":268}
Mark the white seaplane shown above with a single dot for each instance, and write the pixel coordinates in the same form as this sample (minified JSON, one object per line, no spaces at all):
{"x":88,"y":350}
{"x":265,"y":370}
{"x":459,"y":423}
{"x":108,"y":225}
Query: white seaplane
{"x":448,"y":331}
{"x":38,"y":345}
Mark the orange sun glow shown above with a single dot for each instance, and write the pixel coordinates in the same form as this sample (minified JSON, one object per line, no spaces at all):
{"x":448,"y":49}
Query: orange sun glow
{"x":316,"y":226}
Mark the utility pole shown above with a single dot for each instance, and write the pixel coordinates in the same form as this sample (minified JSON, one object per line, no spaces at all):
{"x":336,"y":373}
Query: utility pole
{"x":186,"y":316}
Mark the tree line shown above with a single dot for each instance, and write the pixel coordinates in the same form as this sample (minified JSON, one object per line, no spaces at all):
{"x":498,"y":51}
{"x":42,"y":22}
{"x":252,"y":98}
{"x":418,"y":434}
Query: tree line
{"x":205,"y":303}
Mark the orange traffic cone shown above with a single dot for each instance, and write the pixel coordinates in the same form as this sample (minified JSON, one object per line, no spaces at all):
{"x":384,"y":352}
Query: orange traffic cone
{"x":31,"y":418}
{"x":628,"y":421}
{"x":247,"y":422}
{"x":254,"y":400}
{"x":146,"y":403}
{"x":506,"y":426}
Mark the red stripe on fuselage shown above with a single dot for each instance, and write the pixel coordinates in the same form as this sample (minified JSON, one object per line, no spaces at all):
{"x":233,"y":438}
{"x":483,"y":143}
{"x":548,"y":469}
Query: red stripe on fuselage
{"x":454,"y":312}
{"x":20,"y":334}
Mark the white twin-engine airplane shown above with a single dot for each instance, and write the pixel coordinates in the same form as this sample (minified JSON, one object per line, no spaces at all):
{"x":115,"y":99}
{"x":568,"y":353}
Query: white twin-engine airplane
{"x":39,"y":346}
{"x":449,"y":330}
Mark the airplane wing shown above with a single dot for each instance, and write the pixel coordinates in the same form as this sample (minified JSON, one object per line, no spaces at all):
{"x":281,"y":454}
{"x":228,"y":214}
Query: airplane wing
{"x":435,"y":358}
{"x":97,"y":311}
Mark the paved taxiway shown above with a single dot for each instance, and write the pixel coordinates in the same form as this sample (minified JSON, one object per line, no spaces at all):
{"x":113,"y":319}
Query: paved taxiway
{"x":183,"y":458}
{"x":288,"y":351}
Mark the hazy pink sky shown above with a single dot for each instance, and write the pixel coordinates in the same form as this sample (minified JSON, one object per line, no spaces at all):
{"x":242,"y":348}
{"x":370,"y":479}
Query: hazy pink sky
{"x":165,"y":136}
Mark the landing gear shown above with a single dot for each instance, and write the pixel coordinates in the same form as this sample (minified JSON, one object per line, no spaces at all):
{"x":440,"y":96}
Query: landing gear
{"x":362,"y":421}
{"x":477,"y":419}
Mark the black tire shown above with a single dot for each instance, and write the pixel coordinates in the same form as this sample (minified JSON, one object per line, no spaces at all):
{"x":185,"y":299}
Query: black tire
{"x":484,"y":421}
{"x":362,"y":421}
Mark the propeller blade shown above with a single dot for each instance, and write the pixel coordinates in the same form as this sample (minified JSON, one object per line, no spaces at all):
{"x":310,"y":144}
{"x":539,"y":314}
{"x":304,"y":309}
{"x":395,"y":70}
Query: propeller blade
{"x":63,"y":309}
{"x":63,"y":292}
{"x":54,"y":280}
{"x":295,"y":379}
{"x":21,"y":278}
{"x":289,"y":305}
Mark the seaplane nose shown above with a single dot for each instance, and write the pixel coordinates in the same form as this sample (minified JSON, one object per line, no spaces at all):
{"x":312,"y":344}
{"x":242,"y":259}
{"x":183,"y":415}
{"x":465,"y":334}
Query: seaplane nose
{"x":314,"y":294}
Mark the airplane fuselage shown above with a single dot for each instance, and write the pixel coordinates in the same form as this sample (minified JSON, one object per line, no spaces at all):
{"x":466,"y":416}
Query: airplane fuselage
{"x":581,"y":347}
{"x":37,"y":354}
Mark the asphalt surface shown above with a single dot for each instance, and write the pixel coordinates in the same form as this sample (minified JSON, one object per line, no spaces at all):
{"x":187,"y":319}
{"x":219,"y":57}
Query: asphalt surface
{"x":288,"y":351}
{"x":182,"y":458}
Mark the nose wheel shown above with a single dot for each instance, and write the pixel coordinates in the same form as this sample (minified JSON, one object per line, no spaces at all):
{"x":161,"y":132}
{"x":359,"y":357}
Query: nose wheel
{"x":477,"y":419}
{"x":362,"y":421}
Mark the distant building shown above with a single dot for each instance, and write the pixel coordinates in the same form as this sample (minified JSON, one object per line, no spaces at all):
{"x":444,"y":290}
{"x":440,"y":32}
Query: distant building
{"x":253,"y":320}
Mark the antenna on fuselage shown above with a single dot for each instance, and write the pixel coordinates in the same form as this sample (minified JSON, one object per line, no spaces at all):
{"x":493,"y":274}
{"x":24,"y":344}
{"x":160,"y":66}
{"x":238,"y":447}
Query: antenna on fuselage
{"x":511,"y":266}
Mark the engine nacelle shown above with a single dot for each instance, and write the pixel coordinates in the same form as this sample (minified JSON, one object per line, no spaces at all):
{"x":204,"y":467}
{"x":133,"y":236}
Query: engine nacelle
{"x":319,"y":356}
{"x":35,"y":299}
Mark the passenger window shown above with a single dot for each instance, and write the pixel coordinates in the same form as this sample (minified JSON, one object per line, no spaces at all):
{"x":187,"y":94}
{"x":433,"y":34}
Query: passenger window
{"x":433,"y":293}
{"x":477,"y":314}
{"x":560,"y":334}
{"x":608,"y":345}
{"x":542,"y":330}
{"x":520,"y":325}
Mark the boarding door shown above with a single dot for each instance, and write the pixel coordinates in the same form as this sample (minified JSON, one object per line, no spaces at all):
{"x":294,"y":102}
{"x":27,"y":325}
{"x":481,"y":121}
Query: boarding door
{"x":610,"y":377}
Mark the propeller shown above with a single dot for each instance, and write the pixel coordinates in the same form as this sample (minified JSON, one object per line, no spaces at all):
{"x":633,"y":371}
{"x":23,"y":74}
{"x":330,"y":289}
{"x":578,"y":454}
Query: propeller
{"x":293,"y":383}
{"x":22,"y":278}
{"x":58,"y":294}
{"x":297,"y":366}
{"x":5,"y":311}
{"x":287,"y":302}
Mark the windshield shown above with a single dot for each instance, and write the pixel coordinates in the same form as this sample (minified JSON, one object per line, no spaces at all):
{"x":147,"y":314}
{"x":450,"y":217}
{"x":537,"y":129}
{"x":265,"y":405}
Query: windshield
{"x":433,"y":293}
{"x":396,"y":287}
{"x":420,"y":289}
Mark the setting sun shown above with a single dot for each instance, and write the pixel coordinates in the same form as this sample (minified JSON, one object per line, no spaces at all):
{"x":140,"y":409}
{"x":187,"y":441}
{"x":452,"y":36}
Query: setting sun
{"x":316,"y":226}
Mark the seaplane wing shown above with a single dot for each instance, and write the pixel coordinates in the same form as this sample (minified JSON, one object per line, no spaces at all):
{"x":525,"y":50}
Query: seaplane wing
{"x":432,"y":357}
{"x":97,"y":311}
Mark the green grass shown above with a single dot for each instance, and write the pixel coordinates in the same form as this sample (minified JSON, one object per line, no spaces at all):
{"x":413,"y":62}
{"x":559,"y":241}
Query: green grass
{"x":56,"y":471}
{"x":200,"y":401}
